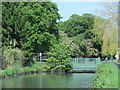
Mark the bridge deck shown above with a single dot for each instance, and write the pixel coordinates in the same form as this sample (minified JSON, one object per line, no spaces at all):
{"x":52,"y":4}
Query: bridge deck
{"x":84,"y":64}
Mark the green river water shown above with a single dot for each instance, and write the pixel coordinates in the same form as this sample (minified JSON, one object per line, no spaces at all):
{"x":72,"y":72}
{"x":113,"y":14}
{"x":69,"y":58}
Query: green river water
{"x":45,"y":80}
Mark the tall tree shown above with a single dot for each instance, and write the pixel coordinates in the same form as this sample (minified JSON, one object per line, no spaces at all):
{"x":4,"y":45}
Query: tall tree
{"x":78,"y":24}
{"x":110,"y":39}
{"x":108,"y":29}
{"x":30,"y":26}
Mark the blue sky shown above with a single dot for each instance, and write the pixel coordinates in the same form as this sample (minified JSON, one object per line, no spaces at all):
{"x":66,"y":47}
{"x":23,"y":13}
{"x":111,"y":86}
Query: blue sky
{"x":66,"y":9}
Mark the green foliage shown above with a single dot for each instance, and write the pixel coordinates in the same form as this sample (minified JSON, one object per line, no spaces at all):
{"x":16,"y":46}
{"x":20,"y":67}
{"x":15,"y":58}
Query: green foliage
{"x":80,"y":46}
{"x":83,"y":48}
{"x":90,"y":35}
{"x":12,"y":57}
{"x":59,"y":57}
{"x":30,"y":26}
{"x":110,"y":44}
{"x":64,"y":39}
{"x":10,"y":71}
{"x":78,"y":24}
{"x":17,"y":69}
{"x":107,"y":76}
{"x":103,"y":30}
{"x":107,"y":29}
{"x":80,"y":38}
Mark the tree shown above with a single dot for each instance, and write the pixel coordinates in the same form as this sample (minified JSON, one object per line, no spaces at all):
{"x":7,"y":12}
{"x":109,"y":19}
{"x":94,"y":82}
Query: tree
{"x":110,"y":39}
{"x":78,"y":24}
{"x":98,"y":31}
{"x":110,"y":10}
{"x":80,"y":38}
{"x":30,"y":26}
{"x":82,"y":47}
{"x":107,"y":29}
{"x":59,"y":58}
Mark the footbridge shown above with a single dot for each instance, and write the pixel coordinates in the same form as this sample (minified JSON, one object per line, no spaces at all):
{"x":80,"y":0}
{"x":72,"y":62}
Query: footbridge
{"x":85,"y":65}
{"x":82,"y":65}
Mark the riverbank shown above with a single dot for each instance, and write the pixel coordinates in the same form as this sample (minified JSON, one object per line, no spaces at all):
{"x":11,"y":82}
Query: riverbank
{"x":35,"y":68}
{"x":106,"y":76}
{"x":19,"y":71}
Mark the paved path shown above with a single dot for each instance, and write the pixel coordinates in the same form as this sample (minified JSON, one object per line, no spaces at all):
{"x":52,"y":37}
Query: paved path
{"x":117,"y":65}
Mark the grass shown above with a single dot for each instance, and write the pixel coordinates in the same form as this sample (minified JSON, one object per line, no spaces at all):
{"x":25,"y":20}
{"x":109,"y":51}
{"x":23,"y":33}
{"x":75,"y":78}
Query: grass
{"x":17,"y":69}
{"x":107,"y":76}
{"x":39,"y":66}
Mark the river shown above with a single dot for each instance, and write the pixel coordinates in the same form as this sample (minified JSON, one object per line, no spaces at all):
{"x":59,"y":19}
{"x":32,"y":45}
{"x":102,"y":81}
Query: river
{"x":45,"y":80}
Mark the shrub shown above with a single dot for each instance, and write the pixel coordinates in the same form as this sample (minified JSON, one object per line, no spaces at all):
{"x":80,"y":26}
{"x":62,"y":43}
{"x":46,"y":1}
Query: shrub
{"x":59,"y":57}
{"x":12,"y":57}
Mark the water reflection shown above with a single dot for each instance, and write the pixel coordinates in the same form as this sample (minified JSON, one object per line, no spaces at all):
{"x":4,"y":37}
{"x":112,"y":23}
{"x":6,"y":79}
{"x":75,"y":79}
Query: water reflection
{"x":44,"y":80}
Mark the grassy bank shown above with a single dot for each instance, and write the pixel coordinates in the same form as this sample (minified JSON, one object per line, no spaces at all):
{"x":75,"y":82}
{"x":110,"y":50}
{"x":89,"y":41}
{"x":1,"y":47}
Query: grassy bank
{"x":107,"y":76}
{"x":16,"y":69}
{"x":35,"y":68}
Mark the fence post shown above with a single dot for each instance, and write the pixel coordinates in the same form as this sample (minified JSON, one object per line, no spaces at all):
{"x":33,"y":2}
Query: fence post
{"x":99,"y":60}
{"x":40,"y":56}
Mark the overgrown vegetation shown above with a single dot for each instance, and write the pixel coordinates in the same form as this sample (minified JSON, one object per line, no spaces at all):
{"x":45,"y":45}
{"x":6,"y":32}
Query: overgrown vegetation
{"x":13,"y":57}
{"x":107,"y":76}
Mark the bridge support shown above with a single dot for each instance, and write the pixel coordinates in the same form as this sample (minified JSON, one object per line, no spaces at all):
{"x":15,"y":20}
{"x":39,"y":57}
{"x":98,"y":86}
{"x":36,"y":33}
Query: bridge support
{"x":82,"y":71}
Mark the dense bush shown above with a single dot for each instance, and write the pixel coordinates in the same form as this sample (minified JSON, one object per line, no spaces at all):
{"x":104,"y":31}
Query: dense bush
{"x":12,"y":57}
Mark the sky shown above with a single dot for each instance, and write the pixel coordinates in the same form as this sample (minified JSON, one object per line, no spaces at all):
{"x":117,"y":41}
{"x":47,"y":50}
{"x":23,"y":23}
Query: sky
{"x":66,"y":9}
